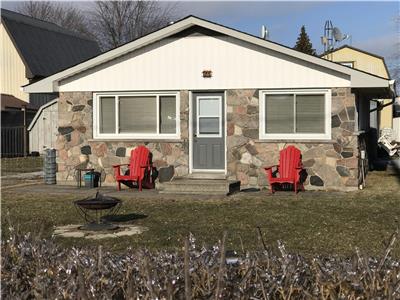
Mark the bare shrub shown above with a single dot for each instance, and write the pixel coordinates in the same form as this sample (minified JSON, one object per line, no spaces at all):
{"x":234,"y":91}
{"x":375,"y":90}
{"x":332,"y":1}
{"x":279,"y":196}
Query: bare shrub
{"x":38,"y":268}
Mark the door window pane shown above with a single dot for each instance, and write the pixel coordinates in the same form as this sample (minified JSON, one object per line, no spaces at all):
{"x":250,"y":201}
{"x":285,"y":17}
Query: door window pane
{"x":209,"y":125}
{"x":279,"y":114}
{"x":209,"y":106}
{"x":138,"y":114}
{"x":107,"y":115}
{"x":310,"y":113}
{"x":167,"y":114}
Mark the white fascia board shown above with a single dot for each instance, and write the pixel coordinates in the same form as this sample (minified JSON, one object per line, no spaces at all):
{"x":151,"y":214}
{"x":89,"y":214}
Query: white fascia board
{"x":50,"y":84}
{"x":364,"y":80}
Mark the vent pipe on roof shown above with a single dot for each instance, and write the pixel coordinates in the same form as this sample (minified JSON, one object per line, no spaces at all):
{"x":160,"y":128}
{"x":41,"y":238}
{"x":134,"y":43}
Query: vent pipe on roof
{"x":264,"y":33}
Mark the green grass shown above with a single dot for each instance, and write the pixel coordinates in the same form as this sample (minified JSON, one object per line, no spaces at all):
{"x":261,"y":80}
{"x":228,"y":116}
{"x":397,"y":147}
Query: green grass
{"x":314,"y":223}
{"x":21,"y":165}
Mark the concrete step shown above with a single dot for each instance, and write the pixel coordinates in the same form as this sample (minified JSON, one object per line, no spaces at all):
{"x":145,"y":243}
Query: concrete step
{"x":198,"y":186}
{"x":206,"y":176}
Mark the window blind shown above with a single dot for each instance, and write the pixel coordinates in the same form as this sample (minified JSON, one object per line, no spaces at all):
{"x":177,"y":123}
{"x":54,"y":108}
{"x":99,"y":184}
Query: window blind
{"x":310,"y":113}
{"x":107,"y":114}
{"x":167,"y":114}
{"x":138,"y":114}
{"x":279,"y":113}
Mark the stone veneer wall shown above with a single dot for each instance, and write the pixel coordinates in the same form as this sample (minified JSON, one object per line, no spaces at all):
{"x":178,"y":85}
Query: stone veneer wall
{"x":76,"y":146}
{"x":330,"y":165}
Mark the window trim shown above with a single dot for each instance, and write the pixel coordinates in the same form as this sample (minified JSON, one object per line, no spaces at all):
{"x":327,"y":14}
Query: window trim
{"x":198,"y":116}
{"x":296,"y":136}
{"x":133,"y":136}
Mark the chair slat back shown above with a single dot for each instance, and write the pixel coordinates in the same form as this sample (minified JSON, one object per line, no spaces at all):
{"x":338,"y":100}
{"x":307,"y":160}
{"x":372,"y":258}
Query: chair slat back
{"x":139,"y":157}
{"x":289,"y":160}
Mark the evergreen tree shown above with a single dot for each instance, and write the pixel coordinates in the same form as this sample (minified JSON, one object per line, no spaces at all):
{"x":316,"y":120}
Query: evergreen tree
{"x":303,"y":43}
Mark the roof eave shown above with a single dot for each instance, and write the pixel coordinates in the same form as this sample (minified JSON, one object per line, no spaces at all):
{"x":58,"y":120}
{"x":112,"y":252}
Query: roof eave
{"x":50,"y":84}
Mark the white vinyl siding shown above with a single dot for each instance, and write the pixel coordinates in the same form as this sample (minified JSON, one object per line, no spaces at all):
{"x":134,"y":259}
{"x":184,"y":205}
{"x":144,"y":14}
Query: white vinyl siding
{"x":295,"y":114}
{"x":177,"y":64}
{"x":12,"y":68}
{"x":136,"y":116}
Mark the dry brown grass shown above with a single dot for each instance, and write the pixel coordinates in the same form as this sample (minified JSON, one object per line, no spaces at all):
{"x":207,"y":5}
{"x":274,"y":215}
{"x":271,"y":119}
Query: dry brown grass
{"x":315,"y":223}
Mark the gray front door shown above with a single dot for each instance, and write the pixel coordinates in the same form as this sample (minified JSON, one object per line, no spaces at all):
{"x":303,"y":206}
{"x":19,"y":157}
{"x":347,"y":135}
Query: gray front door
{"x":208,"y":131}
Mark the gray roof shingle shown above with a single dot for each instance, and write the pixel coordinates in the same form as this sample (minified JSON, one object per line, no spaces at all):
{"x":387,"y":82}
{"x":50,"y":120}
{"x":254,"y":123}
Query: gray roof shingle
{"x":45,"y":47}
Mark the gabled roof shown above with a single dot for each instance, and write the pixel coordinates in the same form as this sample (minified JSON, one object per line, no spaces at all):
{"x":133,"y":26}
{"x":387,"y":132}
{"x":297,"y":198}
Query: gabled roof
{"x":358,"y":78}
{"x":44,"y":47}
{"x":358,"y":50}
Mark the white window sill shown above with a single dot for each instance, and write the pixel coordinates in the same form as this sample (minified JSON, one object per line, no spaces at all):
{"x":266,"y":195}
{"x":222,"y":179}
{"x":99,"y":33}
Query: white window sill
{"x":175,"y":139}
{"x":297,"y":141}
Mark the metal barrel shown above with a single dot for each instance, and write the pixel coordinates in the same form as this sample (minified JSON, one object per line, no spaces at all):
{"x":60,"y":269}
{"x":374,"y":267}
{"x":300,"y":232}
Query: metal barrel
{"x":50,"y":166}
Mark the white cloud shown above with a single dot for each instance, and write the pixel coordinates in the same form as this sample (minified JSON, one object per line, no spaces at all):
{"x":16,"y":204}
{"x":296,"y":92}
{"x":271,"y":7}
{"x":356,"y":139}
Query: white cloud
{"x":385,"y":46}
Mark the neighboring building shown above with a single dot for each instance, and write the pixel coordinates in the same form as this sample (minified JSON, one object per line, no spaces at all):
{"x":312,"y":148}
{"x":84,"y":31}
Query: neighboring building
{"x":371,"y":63}
{"x":32,"y":49}
{"x":45,"y":121}
{"x":396,"y":120}
{"x":210,"y":99}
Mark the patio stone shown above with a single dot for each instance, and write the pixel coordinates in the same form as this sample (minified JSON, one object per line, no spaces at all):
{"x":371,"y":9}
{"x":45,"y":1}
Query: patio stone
{"x":316,"y":180}
{"x":78,"y":107}
{"x":343,"y":171}
{"x":73,"y":231}
{"x":251,"y":133}
{"x":65,"y":130}
{"x":343,"y":115}
{"x":347,"y":154}
{"x":335,"y":121}
{"x":246,"y":158}
{"x":165,"y":173}
{"x":86,"y":150}
{"x":120,"y":152}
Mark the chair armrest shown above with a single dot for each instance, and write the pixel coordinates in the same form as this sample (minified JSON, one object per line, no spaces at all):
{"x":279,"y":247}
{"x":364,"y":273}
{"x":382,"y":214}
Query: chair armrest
{"x":117,"y":166}
{"x":269,"y":167}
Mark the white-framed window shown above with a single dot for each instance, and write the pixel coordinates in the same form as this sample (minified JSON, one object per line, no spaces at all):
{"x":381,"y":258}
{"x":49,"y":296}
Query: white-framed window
{"x":295,"y":114}
{"x":134,"y":115}
{"x":347,"y":63}
{"x":209,"y":116}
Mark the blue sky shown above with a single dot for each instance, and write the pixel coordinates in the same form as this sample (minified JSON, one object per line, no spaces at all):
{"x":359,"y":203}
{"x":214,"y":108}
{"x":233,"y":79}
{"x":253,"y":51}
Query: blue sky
{"x":371,"y":24}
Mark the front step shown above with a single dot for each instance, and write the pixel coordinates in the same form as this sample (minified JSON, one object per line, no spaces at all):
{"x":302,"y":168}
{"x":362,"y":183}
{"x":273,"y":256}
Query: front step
{"x":194,"y":186}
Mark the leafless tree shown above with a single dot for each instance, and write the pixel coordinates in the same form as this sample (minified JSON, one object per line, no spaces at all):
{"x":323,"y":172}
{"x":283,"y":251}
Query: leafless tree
{"x":63,"y":14}
{"x":117,"y":22}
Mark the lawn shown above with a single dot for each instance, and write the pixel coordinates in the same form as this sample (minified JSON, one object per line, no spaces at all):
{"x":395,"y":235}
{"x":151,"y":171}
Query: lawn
{"x":17,"y":165}
{"x":314,"y":223}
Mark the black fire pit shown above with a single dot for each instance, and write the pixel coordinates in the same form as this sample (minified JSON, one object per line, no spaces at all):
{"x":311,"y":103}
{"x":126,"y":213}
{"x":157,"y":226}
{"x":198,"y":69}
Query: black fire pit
{"x":91,"y":209}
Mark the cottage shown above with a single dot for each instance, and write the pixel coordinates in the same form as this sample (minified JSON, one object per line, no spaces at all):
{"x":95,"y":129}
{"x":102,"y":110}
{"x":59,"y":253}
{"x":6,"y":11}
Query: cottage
{"x":209,"y":99}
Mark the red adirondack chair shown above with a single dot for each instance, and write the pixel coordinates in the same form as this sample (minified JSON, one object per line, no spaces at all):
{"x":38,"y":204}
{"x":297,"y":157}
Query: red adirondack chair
{"x":140,"y":160}
{"x":289,"y":169}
